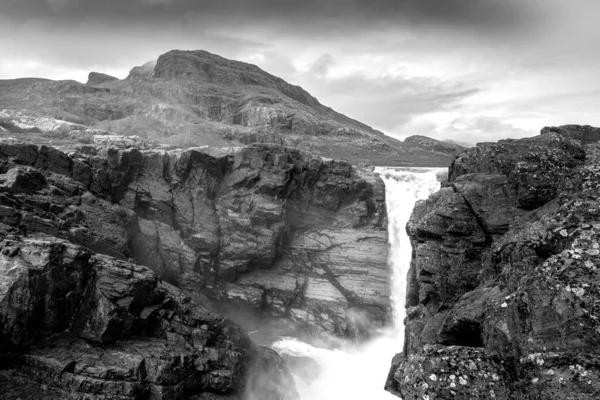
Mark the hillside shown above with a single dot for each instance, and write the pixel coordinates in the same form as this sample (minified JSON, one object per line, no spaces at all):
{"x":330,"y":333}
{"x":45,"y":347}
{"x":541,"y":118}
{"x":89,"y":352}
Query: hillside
{"x":195,"y":98}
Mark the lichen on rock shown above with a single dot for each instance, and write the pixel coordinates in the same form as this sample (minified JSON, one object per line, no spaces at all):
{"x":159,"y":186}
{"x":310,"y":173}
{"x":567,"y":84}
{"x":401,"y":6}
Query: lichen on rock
{"x":504,"y":271}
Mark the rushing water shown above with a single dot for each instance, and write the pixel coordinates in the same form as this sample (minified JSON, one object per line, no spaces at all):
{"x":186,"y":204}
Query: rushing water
{"x":358,"y":372}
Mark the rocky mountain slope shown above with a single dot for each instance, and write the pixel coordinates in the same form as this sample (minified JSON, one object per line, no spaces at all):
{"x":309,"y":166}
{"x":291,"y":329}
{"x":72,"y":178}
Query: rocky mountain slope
{"x":195,"y":98}
{"x":503,"y":295}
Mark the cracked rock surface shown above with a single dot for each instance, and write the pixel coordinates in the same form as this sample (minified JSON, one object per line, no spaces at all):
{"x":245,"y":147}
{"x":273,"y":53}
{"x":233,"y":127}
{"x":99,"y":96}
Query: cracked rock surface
{"x":503,"y":291}
{"x":293,"y":239}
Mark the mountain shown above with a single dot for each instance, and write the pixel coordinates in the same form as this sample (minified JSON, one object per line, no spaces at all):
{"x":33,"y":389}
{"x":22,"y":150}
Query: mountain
{"x":195,"y":98}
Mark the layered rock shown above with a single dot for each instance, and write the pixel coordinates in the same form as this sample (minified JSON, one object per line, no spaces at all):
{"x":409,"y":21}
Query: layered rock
{"x":82,"y":325}
{"x":272,"y":230}
{"x":502,"y":292}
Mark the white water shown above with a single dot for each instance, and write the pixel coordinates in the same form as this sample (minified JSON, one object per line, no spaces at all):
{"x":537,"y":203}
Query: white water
{"x":359,"y":372}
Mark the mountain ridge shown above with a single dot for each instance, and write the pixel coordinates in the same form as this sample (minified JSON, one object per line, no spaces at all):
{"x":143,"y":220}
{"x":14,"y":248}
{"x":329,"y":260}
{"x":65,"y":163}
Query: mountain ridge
{"x":191,"y":98}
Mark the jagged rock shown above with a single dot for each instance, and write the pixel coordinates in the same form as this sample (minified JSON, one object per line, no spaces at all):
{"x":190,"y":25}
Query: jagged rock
{"x":534,"y":166}
{"x":85,"y":325}
{"x":98,"y":78}
{"x":504,"y":266}
{"x":291,"y":236}
{"x":584,"y":133}
{"x":452,"y":372}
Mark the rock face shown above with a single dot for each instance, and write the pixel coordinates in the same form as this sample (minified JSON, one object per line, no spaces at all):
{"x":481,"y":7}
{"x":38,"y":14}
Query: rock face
{"x":272,"y":231}
{"x":80,"y":316}
{"x":503,"y":290}
{"x":82,"y":325}
{"x":195,"y":98}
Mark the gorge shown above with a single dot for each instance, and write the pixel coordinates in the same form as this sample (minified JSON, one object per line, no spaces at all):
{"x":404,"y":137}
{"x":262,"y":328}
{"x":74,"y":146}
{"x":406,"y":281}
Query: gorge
{"x":355,"y":370}
{"x":205,"y":230}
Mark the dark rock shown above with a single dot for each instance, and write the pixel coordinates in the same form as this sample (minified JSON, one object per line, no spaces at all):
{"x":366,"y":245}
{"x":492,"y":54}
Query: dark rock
{"x":534,"y":167}
{"x":79,"y":318}
{"x":23,"y":180}
{"x":503,"y":275}
{"x":274,"y":230}
{"x":584,"y":133}
{"x":439,"y":372}
{"x":142,"y":337}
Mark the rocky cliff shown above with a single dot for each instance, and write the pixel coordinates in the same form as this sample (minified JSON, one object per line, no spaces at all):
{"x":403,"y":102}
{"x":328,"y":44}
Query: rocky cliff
{"x":268,"y":231}
{"x":81,"y":316}
{"x":195,"y":98}
{"x":503,"y":289}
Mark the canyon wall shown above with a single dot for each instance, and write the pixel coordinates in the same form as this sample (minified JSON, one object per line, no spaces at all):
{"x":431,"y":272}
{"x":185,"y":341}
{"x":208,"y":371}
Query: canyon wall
{"x":267,"y":230}
{"x":503,"y":293}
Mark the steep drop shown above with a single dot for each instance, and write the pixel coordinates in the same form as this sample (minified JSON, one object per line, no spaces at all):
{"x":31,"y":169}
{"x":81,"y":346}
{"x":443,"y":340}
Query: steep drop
{"x":356,"y":371}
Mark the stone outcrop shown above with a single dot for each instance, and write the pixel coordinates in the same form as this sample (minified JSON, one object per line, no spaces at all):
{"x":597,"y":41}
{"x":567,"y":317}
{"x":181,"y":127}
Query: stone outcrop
{"x":277,"y":233}
{"x":98,"y":78}
{"x":502,"y":293}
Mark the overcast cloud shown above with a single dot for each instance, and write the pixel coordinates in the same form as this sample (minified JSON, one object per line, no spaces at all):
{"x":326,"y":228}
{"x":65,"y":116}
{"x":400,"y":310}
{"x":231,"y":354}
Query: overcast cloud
{"x":464,"y":70}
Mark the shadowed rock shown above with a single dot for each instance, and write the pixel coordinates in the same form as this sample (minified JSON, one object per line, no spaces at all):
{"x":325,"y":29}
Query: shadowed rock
{"x":502,"y":294}
{"x":85,"y":325}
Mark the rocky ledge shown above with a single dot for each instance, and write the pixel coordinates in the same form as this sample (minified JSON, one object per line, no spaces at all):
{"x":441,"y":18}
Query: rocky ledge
{"x":503,"y":297}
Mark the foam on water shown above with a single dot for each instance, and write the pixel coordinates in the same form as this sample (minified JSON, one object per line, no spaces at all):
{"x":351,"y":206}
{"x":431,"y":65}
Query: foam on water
{"x":355,"y":372}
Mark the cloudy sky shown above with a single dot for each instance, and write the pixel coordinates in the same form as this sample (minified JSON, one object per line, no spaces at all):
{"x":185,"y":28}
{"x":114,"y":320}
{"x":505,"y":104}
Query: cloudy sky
{"x":464,"y":70}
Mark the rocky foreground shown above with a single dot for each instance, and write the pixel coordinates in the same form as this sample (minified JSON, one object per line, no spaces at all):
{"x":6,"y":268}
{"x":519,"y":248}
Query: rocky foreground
{"x":503,"y":293}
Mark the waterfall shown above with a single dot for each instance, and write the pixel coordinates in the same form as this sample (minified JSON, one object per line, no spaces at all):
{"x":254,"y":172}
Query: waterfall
{"x":358,"y":372}
{"x":403,"y":188}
